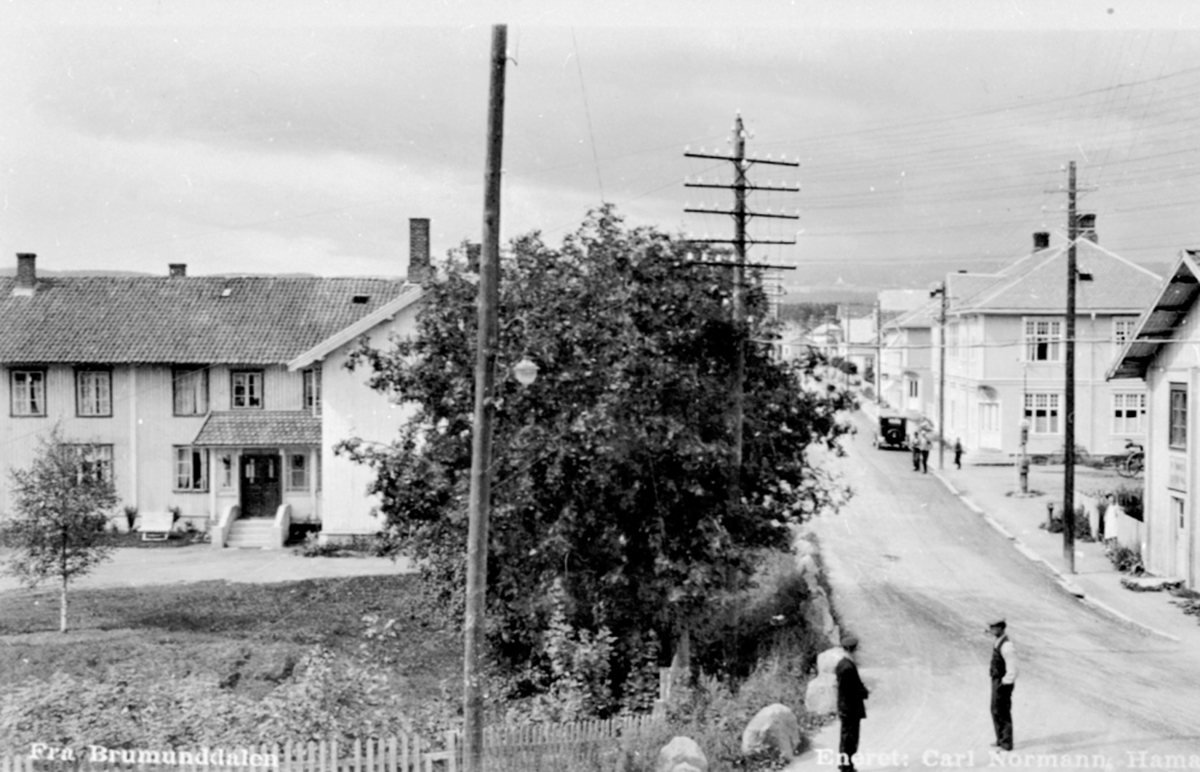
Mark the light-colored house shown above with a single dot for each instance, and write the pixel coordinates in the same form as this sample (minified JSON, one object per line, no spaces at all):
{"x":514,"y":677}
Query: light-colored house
{"x":218,"y":396}
{"x":1005,"y":346}
{"x":905,"y":372}
{"x":1163,"y":351}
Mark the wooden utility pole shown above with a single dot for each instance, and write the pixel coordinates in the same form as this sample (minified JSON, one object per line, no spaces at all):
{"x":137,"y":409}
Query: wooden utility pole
{"x":1069,"y":397}
{"x":740,"y":242}
{"x":479,"y":508}
{"x":942,"y":375}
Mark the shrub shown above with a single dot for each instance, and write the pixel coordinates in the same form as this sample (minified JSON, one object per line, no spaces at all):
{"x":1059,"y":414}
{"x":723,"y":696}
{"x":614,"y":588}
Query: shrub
{"x":313,"y":548}
{"x":1082,"y":524}
{"x":1130,"y":500}
{"x":1127,"y":560}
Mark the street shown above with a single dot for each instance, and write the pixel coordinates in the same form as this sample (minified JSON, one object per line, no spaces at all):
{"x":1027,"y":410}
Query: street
{"x":916,"y":575}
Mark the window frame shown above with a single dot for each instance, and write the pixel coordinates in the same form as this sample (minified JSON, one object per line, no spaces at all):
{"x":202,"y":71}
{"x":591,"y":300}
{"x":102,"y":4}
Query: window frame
{"x":189,"y":455}
{"x":1052,"y":339}
{"x":81,"y":374}
{"x":43,"y":377}
{"x":1120,"y":412}
{"x":251,"y":375}
{"x":1177,"y":416}
{"x":1121,"y":337}
{"x":1053,"y":413}
{"x":178,"y":375}
{"x":312,"y":389}
{"x":914,"y":388}
{"x":104,"y":463}
{"x":305,"y":469}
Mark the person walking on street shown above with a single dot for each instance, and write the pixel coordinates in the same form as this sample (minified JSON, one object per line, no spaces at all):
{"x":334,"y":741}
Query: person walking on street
{"x":1003,"y":671}
{"x":958,"y":451}
{"x":924,"y":444}
{"x":851,"y":695}
{"x":914,"y":442}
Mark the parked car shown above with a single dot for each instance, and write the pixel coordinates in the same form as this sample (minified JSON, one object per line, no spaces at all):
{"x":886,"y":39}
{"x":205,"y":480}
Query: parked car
{"x":892,"y":432}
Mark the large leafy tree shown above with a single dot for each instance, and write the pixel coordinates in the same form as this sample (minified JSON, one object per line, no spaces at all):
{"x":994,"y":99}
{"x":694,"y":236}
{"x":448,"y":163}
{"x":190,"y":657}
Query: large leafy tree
{"x":60,"y":510}
{"x":611,"y":472}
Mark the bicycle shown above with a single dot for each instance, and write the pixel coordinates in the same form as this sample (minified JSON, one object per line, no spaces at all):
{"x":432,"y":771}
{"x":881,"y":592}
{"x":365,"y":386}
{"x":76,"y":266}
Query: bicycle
{"x":1134,"y":462}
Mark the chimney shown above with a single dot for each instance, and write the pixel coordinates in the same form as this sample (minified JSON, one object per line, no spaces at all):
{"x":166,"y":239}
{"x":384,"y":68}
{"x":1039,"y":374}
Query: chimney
{"x":1085,"y":226}
{"x":474,"y":249}
{"x":177,"y":269}
{"x":26,"y":274}
{"x":1041,"y":240}
{"x":419,"y":270}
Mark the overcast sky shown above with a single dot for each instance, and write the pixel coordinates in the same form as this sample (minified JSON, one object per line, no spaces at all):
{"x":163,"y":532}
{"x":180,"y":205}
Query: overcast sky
{"x":302,"y":136}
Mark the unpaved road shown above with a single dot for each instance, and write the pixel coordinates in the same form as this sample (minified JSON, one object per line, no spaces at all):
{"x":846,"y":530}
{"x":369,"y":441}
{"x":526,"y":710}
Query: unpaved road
{"x":916,"y":574}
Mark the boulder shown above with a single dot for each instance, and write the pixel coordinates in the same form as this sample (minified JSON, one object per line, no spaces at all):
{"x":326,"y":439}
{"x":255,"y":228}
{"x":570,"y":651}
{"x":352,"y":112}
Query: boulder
{"x":775,"y":726}
{"x":821,"y":695}
{"x":682,"y":754}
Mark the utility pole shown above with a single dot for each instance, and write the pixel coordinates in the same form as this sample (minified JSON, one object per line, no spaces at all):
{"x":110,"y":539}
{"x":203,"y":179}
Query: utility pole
{"x":1069,"y":406}
{"x":741,"y":215}
{"x":878,"y":351}
{"x":941,"y":290}
{"x":479,"y":507}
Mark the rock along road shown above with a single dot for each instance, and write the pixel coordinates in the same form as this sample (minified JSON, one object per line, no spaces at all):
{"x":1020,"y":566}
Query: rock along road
{"x":915,"y":575}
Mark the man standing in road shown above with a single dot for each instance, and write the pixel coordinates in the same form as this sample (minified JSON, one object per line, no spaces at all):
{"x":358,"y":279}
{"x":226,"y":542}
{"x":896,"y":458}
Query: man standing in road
{"x":851,"y":694}
{"x":1004,"y":676}
{"x":923,"y":444}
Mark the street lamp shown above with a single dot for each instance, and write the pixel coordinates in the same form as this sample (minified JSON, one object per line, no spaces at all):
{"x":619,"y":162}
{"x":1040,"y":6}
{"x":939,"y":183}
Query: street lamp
{"x":1023,"y":465}
{"x":526,"y":371}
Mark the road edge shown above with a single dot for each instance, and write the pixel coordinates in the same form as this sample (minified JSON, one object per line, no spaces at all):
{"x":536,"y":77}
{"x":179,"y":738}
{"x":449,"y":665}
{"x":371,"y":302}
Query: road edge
{"x":1062,"y":579}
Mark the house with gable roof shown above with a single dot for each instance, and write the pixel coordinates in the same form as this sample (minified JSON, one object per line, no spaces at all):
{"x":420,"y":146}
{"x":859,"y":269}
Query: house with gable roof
{"x":1163,"y":352}
{"x":1005,"y":347}
{"x":221,"y":397}
{"x":904,"y":360}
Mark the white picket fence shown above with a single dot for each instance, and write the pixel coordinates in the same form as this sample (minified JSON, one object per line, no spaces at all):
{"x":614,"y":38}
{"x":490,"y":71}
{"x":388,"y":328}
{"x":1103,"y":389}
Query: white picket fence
{"x":527,"y":748}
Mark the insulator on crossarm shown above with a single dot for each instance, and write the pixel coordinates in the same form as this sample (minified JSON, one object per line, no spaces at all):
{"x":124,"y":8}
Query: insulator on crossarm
{"x":702,"y":148}
{"x":687,"y":148}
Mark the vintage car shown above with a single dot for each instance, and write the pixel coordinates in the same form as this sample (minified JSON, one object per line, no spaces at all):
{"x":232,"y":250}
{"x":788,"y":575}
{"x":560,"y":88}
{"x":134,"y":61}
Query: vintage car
{"x":892,"y":432}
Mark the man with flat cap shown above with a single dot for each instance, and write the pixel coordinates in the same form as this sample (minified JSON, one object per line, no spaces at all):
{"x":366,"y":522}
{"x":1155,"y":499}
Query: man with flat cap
{"x":851,"y":710}
{"x":1003,"y":671}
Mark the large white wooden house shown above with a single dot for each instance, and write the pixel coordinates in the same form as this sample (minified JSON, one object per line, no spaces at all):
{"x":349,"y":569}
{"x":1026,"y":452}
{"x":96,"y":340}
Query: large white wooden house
{"x":219,"y":396}
{"x":1163,"y":350}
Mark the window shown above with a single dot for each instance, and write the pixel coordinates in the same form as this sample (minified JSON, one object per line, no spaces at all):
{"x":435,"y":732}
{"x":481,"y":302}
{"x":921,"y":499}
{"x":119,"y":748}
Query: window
{"x":989,"y":416}
{"x":1123,"y":329}
{"x":95,"y":463}
{"x":312,"y":389}
{"x":29,"y":392}
{"x":1177,"y":433}
{"x":225,"y":480}
{"x":191,"y":390}
{"x":914,"y":389}
{"x":93,"y":393}
{"x":297,"y":472}
{"x":1129,"y":412}
{"x":191,"y":469}
{"x":247,"y":389}
{"x":1043,"y":340}
{"x":1041,"y":410}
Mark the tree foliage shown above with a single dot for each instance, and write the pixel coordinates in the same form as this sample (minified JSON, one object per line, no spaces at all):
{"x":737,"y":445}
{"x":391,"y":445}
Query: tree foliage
{"x":57,"y":530}
{"x":611,"y":510}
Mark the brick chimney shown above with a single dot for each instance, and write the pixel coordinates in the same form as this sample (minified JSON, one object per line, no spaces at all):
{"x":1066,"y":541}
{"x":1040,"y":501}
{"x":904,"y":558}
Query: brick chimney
{"x":26,"y":274}
{"x":1086,"y":227}
{"x":1041,"y":240}
{"x":177,"y":269}
{"x":419,"y":269}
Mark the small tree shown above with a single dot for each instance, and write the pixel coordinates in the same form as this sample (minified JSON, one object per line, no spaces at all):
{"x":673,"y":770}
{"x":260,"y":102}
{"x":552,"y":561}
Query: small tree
{"x":57,"y":529}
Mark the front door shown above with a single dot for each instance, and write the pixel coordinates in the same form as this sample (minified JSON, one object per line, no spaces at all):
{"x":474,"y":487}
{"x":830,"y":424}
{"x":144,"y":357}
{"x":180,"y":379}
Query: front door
{"x":260,"y":477}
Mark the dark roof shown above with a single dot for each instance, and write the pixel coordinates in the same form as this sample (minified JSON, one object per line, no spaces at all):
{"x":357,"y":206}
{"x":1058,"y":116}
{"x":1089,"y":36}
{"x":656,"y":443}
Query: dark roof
{"x":261,"y":427}
{"x":1159,"y":322}
{"x":184,"y":319}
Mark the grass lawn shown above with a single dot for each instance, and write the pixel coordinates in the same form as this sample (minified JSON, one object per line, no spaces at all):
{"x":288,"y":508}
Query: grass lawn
{"x":248,"y":636}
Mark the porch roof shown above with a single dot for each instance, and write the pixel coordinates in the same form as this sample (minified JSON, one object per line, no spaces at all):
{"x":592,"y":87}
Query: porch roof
{"x":1161,"y":321}
{"x":275,"y":427}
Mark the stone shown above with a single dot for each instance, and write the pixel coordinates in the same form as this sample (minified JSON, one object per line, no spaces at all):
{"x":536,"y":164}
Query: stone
{"x":820,"y":697}
{"x":682,"y":754}
{"x":775,"y":726}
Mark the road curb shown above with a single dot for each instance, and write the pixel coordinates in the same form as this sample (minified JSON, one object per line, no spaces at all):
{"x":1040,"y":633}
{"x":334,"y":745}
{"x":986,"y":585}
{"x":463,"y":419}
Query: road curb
{"x":1061,"y":579}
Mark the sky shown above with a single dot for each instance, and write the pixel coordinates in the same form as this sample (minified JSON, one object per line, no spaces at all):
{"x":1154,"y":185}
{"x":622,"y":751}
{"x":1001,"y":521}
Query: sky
{"x":301,"y":136}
